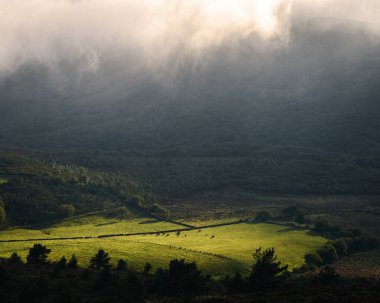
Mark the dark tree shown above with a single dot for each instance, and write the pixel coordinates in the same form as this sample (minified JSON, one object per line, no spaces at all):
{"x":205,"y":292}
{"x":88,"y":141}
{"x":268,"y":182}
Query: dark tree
{"x":38,"y":254}
{"x":147,"y":268}
{"x":181,"y":279}
{"x":266,"y":268}
{"x":15,"y":259}
{"x":313,"y":259}
{"x":73,"y":262}
{"x":121,"y":265}
{"x":100,"y":260}
{"x":60,"y":265}
{"x":340,"y":246}
{"x":328,"y":254}
{"x":300,"y":218}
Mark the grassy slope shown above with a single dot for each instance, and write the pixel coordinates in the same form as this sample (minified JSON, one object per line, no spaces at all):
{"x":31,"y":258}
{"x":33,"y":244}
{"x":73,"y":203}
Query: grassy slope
{"x":239,"y":241}
{"x":236,"y":242}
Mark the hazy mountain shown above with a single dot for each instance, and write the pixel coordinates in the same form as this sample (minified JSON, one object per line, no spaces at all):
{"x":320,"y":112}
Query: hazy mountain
{"x":319,"y":91}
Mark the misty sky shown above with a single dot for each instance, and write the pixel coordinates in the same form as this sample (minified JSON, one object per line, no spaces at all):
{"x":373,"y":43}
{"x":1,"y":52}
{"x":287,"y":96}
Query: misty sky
{"x":49,"y":32}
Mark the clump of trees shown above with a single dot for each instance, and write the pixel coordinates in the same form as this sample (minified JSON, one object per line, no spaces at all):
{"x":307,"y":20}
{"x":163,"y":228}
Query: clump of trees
{"x":347,"y":242}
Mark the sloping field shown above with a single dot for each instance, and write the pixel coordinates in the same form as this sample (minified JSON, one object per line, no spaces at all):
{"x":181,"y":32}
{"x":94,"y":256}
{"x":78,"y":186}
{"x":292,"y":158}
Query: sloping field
{"x":240,"y":241}
{"x":217,"y":250}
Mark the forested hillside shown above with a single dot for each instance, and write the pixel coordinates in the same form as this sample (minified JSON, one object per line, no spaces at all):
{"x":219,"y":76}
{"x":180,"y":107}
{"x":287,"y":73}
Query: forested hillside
{"x":32,"y":191}
{"x":297,"y":118}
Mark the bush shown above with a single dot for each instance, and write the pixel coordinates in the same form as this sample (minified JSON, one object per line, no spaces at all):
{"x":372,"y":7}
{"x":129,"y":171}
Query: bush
{"x":328,"y":254}
{"x":341,"y":247}
{"x":313,"y":259}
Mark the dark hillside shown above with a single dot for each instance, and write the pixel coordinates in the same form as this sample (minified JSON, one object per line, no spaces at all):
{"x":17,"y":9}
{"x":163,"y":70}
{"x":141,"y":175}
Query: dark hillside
{"x":35,"y":192}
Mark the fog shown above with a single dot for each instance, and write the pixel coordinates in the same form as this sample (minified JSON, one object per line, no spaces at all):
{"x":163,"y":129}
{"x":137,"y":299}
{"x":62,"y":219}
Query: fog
{"x":83,"y":35}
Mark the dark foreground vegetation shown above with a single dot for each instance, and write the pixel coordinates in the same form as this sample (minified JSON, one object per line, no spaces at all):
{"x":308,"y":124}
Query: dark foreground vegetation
{"x":39,"y":280}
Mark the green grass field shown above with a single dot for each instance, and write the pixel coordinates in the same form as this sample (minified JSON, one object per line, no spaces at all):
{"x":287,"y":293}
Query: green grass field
{"x":228,"y":251}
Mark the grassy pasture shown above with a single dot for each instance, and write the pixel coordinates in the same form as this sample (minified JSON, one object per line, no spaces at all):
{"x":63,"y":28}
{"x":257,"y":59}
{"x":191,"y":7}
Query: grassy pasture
{"x":239,"y":241}
{"x":228,"y":251}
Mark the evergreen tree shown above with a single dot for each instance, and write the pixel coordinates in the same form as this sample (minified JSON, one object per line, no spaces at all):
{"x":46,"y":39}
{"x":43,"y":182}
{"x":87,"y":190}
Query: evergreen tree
{"x":73,"y":262}
{"x":100,"y":260}
{"x":266,"y":268}
{"x":38,"y":254}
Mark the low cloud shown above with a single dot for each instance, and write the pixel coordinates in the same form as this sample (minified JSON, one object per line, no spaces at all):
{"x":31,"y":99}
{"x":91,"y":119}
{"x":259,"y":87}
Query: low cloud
{"x":150,"y":32}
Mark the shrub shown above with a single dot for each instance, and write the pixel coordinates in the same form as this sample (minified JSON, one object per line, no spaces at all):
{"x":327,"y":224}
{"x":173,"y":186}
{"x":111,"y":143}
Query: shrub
{"x":340,"y":246}
{"x":313,"y":259}
{"x":328,"y":254}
